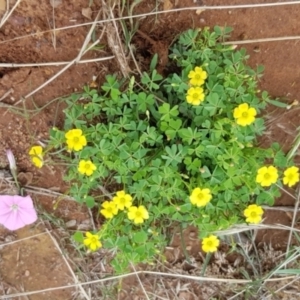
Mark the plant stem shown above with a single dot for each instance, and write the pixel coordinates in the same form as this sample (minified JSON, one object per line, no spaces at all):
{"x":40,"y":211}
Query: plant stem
{"x":184,"y":246}
{"x":206,"y":261}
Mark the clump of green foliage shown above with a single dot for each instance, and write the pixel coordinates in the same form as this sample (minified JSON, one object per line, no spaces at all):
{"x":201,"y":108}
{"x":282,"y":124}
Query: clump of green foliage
{"x":193,"y":163}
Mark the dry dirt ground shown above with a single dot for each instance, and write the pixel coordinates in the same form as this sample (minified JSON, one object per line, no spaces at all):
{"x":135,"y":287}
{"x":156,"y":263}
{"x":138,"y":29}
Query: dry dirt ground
{"x":51,"y":31}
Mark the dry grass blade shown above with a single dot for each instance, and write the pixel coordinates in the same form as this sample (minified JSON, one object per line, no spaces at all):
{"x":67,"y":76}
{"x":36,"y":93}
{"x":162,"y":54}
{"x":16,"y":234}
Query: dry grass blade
{"x":83,"y":292}
{"x":114,"y":40}
{"x":282,"y":288}
{"x":293,"y":223}
{"x":7,"y":15}
{"x":82,"y":51}
{"x":23,"y":239}
{"x":188,"y":277}
{"x":245,"y":227}
{"x":264,"y":40}
{"x":284,"y":38}
{"x":88,"y":38}
{"x":56,"y":63}
{"x":55,"y":76}
{"x":140,"y":282}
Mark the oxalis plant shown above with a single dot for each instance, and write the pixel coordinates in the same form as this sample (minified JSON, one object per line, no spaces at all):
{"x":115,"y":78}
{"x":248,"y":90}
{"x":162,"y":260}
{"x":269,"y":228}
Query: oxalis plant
{"x":159,"y":152}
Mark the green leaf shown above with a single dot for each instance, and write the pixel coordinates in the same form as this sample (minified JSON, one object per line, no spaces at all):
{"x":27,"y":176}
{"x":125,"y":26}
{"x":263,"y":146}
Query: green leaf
{"x":140,"y":237}
{"x":168,"y":113}
{"x":90,"y":202}
{"x":265,"y":198}
{"x":78,"y":237}
{"x":288,"y":272}
{"x":205,"y":172}
{"x":277,"y":103}
{"x":153,"y":62}
{"x":144,"y":101}
{"x":175,"y":124}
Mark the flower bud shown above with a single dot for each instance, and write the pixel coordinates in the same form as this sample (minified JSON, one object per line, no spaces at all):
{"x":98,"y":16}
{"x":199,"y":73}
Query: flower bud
{"x":11,"y":159}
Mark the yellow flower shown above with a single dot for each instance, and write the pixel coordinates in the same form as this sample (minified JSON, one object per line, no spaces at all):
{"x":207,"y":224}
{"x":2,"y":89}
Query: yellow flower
{"x":92,"y":241}
{"x":122,"y":200}
{"x":244,"y":114}
{"x":200,"y":197}
{"x":253,"y":213}
{"x":109,"y":209}
{"x":86,"y":167}
{"x":197,"y":76}
{"x":210,"y":244}
{"x":75,"y":140}
{"x":36,"y":155}
{"x":267,"y":176}
{"x":291,"y":176}
{"x":137,"y":214}
{"x":195,"y":95}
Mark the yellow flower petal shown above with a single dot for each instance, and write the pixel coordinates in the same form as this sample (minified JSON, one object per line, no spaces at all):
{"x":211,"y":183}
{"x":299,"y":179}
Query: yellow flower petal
{"x":266,"y":176}
{"x":244,"y":114}
{"x":200,"y":197}
{"x":195,"y":95}
{"x":75,"y":139}
{"x":109,"y":209}
{"x":210,"y":244}
{"x":253,"y":214}
{"x":92,"y":241}
{"x":291,"y":176}
{"x":86,"y":167}
{"x":137,"y":214}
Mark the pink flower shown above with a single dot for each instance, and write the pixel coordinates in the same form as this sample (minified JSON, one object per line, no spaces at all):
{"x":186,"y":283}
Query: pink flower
{"x":16,"y":211}
{"x":11,"y":160}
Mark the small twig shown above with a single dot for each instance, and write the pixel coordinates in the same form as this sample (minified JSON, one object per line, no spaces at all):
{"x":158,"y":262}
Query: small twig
{"x":295,"y":147}
{"x":275,"y":39}
{"x":282,"y":208}
{"x":114,"y":40}
{"x":54,"y":64}
{"x":146,"y":37}
{"x":53,"y":32}
{"x":151,"y":273}
{"x":247,"y":227}
{"x":139,"y":280}
{"x":105,"y":192}
{"x":166,"y":12}
{"x":68,"y":265}
{"x":54,"y":77}
{"x":284,"y":190}
{"x":20,"y":240}
{"x":92,"y":219}
{"x":47,"y":192}
{"x":6,"y":12}
{"x":293,"y":222}
{"x":282,"y":288}
{"x":6,"y":16}
{"x":134,"y":60}
{"x":7,"y":93}
{"x":80,"y":54}
{"x":88,"y":38}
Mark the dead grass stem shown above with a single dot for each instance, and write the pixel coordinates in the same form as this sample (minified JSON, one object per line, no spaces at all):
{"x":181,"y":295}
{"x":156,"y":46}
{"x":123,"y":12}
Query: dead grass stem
{"x":8,"y":14}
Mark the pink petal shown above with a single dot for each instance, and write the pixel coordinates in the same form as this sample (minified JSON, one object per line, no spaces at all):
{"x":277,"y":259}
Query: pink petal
{"x":12,"y":222}
{"x":14,"y":219}
{"x":4,"y":217}
{"x":23,"y":202}
{"x":7,"y":200}
{"x":27,"y":216}
{"x":4,"y":208}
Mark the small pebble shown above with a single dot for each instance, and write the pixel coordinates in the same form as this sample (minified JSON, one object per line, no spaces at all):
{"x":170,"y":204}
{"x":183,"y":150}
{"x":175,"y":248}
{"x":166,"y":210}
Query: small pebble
{"x":71,"y":223}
